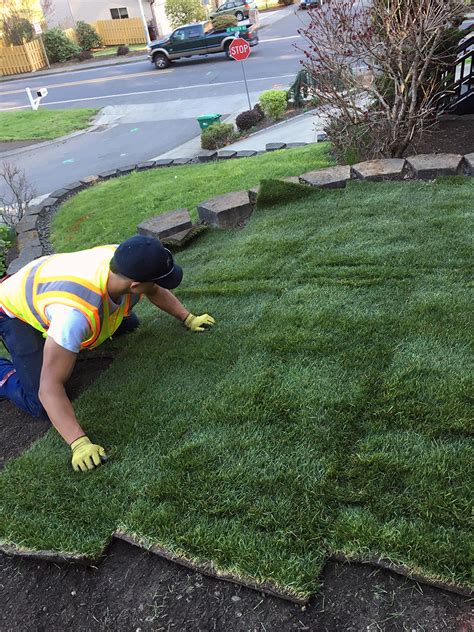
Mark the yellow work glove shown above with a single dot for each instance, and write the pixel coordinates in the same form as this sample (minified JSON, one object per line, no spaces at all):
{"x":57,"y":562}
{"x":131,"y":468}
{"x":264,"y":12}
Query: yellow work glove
{"x":86,"y":455}
{"x":198,"y":323}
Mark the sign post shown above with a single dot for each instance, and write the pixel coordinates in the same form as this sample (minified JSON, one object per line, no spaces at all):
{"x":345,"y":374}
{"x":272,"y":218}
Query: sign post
{"x":239,"y":50}
{"x":39,"y":31}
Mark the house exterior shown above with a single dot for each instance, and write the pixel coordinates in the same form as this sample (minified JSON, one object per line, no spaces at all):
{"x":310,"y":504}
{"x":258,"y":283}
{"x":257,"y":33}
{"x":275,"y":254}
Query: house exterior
{"x":65,"y":13}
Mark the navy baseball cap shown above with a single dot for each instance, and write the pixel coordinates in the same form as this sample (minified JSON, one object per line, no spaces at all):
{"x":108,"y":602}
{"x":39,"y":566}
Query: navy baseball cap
{"x":145,"y":259}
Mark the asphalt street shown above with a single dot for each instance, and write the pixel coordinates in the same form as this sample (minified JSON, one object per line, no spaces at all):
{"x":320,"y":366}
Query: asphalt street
{"x":149,"y":112}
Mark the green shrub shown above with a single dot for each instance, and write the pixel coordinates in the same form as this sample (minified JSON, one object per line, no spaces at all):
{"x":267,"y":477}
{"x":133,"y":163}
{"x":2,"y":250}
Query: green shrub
{"x":257,"y":108}
{"x":217,"y":136}
{"x":4,"y":245}
{"x":123,"y":49}
{"x":273,"y":103}
{"x":286,"y":3}
{"x":221,"y":22}
{"x":181,"y":12}
{"x":83,"y":55}
{"x":248,"y":119}
{"x":58,"y":46}
{"x":87,"y":36}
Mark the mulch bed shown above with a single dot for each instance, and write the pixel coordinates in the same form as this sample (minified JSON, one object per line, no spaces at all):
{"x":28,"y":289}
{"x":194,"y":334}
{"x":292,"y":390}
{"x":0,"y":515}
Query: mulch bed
{"x":132,"y":590}
{"x":451,"y":136}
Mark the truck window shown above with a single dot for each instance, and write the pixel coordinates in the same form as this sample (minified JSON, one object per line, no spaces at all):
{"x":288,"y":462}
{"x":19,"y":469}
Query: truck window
{"x":179,"y":35}
{"x":194,"y":31}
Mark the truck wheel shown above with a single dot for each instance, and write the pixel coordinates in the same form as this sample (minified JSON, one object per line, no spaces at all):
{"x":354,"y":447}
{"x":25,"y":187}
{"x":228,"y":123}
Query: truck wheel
{"x":161,"y":61}
{"x":226,"y":49}
{"x":239,"y":15}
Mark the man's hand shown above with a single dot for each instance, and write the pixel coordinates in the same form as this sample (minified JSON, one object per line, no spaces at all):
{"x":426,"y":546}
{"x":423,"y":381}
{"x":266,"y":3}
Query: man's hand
{"x":198,"y":323}
{"x":86,"y":455}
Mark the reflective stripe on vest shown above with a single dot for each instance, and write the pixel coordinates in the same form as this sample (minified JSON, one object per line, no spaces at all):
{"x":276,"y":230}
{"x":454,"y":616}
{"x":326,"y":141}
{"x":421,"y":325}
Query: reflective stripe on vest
{"x":54,"y":280}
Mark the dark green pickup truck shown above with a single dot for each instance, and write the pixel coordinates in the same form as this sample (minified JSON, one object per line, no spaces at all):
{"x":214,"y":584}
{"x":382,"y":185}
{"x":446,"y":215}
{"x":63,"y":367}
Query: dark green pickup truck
{"x":196,"y":39}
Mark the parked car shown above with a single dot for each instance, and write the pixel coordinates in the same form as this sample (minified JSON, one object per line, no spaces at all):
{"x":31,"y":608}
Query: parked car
{"x":239,"y":8}
{"x":196,"y":39}
{"x":309,"y":4}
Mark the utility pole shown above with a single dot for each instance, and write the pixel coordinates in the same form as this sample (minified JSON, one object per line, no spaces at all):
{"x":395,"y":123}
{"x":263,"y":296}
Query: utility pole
{"x":145,"y":25}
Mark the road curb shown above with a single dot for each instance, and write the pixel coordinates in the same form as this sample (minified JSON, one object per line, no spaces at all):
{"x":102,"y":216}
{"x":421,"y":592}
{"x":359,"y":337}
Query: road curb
{"x":59,"y":71}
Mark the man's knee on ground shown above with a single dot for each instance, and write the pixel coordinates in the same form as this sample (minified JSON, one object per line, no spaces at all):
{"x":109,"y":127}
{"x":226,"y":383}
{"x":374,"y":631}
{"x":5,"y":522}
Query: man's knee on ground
{"x":128,"y":324}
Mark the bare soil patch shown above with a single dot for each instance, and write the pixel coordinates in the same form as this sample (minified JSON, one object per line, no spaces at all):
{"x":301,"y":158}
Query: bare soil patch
{"x":455,"y":136}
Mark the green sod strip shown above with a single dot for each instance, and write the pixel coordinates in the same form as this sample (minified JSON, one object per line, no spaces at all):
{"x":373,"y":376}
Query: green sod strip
{"x":110,"y":212}
{"x":43,"y":124}
{"x":326,"y":411}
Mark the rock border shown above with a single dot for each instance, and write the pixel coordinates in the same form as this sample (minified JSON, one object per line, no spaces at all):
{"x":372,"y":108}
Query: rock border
{"x":33,"y":229}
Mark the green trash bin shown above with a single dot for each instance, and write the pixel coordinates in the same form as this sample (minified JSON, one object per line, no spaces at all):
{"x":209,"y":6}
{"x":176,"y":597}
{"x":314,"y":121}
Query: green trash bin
{"x":207,"y":120}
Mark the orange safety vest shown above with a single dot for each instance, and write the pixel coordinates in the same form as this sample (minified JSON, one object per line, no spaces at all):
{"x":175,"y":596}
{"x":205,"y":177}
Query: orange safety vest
{"x":78,"y":279}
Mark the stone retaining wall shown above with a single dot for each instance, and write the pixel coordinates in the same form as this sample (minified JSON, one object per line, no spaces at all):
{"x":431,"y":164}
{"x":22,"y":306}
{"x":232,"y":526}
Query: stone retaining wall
{"x":234,"y":208}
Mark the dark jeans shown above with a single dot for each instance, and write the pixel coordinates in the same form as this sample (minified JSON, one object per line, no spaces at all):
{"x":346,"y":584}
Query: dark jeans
{"x":25,"y":345}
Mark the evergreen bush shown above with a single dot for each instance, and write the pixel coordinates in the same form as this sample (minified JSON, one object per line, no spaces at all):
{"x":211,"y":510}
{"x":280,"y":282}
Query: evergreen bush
{"x":221,"y":22}
{"x":87,"y":36}
{"x":58,"y":46}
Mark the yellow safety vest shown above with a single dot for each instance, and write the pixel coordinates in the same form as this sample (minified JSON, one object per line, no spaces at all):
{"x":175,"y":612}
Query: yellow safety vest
{"x":78,"y":279}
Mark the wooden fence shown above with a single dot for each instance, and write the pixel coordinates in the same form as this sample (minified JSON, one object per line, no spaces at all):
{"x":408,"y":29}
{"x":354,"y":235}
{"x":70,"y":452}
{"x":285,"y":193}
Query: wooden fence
{"x":25,"y":58}
{"x":71,"y":34}
{"x":128,"y":31}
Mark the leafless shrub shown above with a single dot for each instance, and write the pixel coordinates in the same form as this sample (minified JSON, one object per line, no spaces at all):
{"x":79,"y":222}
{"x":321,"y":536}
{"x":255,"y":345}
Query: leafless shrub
{"x":376,"y":69}
{"x":15,"y":194}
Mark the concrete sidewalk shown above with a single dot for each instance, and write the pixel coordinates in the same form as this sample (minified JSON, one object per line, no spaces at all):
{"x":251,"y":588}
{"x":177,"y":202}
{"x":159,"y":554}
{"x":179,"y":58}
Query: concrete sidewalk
{"x":300,"y":129}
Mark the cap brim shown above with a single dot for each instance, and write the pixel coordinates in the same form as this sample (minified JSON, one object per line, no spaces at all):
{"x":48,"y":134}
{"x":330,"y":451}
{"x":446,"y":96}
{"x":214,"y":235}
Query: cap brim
{"x":173,"y":280}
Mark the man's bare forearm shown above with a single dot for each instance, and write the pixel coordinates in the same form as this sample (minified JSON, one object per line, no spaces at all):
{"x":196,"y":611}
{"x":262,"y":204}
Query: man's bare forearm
{"x":167,"y":301}
{"x":60,"y":411}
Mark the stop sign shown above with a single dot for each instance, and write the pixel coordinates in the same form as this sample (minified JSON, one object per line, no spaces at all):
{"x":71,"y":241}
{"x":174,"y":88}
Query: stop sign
{"x":239,"y":49}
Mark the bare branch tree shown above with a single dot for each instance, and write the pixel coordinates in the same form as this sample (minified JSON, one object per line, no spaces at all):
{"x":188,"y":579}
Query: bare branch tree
{"x":48,"y":8}
{"x":376,"y":69}
{"x":16,"y":195}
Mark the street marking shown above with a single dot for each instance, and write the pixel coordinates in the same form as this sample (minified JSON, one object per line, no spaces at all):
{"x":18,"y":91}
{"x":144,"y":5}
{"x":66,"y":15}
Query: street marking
{"x":68,"y":161}
{"x":131,"y":94}
{"x":279,"y":39}
{"x":135,"y":129}
{"x":68,"y":84}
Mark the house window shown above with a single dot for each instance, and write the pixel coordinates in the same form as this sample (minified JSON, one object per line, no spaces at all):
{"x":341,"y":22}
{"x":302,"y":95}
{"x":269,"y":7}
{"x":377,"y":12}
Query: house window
{"x":119,"y":14}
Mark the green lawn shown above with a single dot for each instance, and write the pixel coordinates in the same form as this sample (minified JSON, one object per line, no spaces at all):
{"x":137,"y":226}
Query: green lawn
{"x":326,"y":411}
{"x":111,"y":211}
{"x":112,"y":50}
{"x":43,"y":124}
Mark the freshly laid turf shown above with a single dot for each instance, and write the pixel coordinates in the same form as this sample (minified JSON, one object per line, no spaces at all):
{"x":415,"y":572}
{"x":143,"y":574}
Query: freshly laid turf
{"x":110,"y":211}
{"x":43,"y":124}
{"x":326,"y":411}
